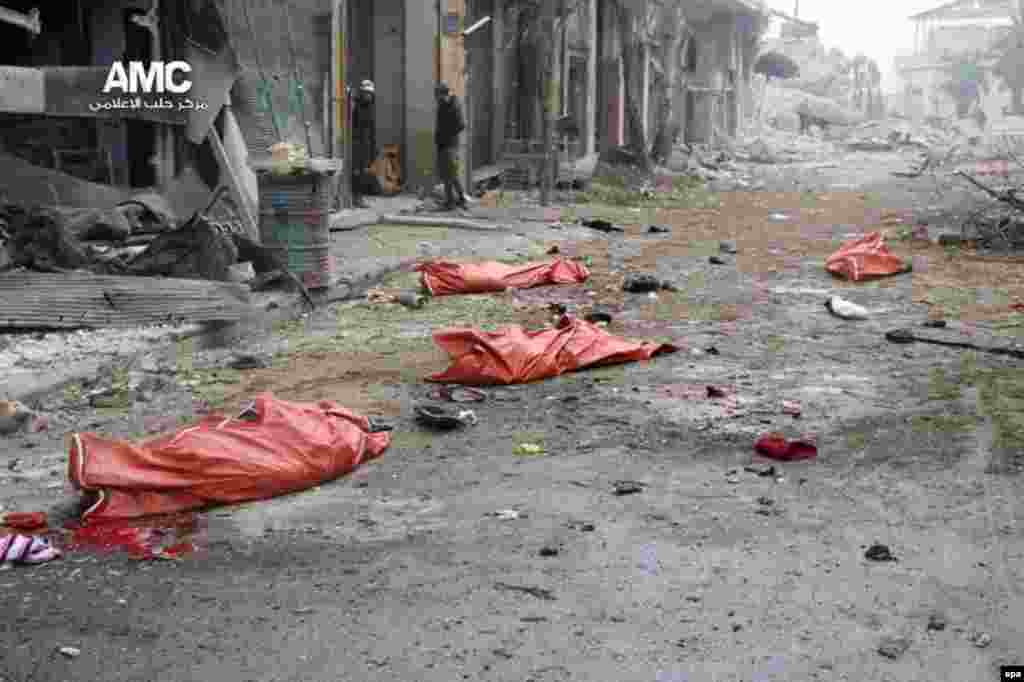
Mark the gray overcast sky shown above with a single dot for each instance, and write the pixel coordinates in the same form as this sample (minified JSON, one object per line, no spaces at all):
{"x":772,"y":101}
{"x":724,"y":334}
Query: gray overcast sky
{"x":876,"y":28}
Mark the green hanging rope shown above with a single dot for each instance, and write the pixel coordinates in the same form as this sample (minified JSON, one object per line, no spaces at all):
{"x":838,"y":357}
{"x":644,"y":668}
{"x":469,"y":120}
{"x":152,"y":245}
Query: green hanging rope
{"x":265,"y":89}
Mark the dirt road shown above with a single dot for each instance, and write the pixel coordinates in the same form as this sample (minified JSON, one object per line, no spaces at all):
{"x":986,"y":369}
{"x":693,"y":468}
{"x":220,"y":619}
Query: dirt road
{"x":710,"y":572}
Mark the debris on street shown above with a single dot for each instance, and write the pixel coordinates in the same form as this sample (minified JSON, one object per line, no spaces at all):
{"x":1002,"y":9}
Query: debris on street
{"x":775,"y":446}
{"x":273,"y":448}
{"x":878,"y":552}
{"x":538,"y":592}
{"x":864,"y":258}
{"x":893,"y":647}
{"x":601,"y":225}
{"x":445,"y":279}
{"x":445,"y":418}
{"x":621,"y":488}
{"x":30,"y":550}
{"x":846,"y":310}
{"x":77,"y":300}
{"x":516,"y":356}
{"x":24,"y":521}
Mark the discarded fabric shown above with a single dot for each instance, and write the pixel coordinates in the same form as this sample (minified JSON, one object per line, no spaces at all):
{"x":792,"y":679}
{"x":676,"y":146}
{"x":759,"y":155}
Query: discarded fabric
{"x":283,"y":448}
{"x":775,"y":446}
{"x":846,"y":310}
{"x":26,"y":549}
{"x":516,"y":356}
{"x":601,"y":225}
{"x":443,"y":278}
{"x":24,"y":520}
{"x":863,"y":258}
{"x":641,"y":284}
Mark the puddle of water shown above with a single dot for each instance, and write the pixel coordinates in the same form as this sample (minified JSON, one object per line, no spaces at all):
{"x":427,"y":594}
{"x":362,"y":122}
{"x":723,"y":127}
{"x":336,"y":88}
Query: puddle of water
{"x":170,"y":537}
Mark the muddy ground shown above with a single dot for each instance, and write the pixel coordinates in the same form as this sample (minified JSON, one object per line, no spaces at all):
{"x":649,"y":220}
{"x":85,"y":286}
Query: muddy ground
{"x":711,"y":572}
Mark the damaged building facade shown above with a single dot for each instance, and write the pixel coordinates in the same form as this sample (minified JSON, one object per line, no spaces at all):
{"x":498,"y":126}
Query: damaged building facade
{"x":273,"y":71}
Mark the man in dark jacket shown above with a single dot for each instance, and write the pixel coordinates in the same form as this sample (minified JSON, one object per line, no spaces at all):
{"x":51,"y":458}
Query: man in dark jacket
{"x":450,"y":124}
{"x":364,"y":140}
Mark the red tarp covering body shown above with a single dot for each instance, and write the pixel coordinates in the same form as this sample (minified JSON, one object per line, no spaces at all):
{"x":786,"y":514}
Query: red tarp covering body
{"x":288,"y":447}
{"x":515,"y":356}
{"x":865,"y":257}
{"x":444,"y":279}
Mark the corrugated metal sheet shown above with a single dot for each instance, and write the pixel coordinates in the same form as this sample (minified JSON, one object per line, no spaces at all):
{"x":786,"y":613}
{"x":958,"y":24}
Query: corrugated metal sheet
{"x":68,"y":301}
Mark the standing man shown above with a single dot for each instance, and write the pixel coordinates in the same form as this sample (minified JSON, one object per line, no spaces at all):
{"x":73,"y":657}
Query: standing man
{"x":364,"y":140}
{"x":450,"y":124}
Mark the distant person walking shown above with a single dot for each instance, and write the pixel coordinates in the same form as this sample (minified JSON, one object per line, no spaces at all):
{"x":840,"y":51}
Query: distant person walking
{"x":364,"y":140}
{"x":450,"y":124}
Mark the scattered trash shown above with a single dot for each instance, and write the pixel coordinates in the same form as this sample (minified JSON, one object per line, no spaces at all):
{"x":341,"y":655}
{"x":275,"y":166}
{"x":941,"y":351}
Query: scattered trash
{"x":768,"y":472}
{"x":582,"y":526}
{"x":778,"y":217}
{"x":411,"y":299}
{"x":878,"y":552}
{"x":981,"y":640}
{"x":14,"y":417}
{"x":865,"y":257}
{"x":245,"y":361}
{"x":513,"y":355}
{"x":70,"y":651}
{"x":893,"y":648}
{"x":775,"y":446}
{"x":285,"y":447}
{"x":601,"y":225}
{"x":538,"y":592}
{"x":936,"y":622}
{"x":846,"y":310}
{"x":26,"y":550}
{"x":715,"y":392}
{"x":658,"y":229}
{"x":715,"y":260}
{"x":554,"y":250}
{"x":905,"y":336}
{"x":641,"y":284}
{"x":26,"y":521}
{"x":444,"y":278}
{"x":444,"y":418}
{"x":728,"y":246}
{"x":459,"y":394}
{"x":628,"y":488}
{"x":791,"y":407}
{"x":598,"y":317}
{"x":935,"y":324}
{"x":548,"y":551}
{"x":506,"y":514}
{"x":711,"y":350}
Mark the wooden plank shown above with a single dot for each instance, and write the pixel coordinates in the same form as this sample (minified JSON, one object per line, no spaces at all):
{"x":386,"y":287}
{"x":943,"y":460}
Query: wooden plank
{"x":75,"y":300}
{"x":235,"y":184}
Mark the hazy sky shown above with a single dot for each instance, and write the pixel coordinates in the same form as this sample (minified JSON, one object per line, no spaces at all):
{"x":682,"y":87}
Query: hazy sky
{"x":876,"y":28}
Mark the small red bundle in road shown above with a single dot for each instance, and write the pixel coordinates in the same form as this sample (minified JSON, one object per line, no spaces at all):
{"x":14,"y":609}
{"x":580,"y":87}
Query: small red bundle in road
{"x":516,"y":356}
{"x":274,"y":448}
{"x":863,"y":258}
{"x":444,"y":279}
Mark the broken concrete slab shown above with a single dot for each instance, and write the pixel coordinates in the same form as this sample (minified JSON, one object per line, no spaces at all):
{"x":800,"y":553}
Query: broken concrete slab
{"x":30,"y":300}
{"x":33,"y":184}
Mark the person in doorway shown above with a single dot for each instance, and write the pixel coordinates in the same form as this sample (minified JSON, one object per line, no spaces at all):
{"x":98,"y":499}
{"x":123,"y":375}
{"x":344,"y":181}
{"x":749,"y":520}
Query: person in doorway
{"x":450,"y":124}
{"x":364,"y":140}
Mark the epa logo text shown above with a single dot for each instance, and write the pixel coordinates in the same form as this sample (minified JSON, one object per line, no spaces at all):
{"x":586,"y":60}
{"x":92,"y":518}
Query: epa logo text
{"x":1012,"y":672}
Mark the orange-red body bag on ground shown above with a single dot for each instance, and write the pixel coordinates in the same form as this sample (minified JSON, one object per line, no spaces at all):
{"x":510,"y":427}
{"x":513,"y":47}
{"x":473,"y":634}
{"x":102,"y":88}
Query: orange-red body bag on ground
{"x":516,"y":356}
{"x":444,"y":279}
{"x":863,"y":258}
{"x":288,"y":447}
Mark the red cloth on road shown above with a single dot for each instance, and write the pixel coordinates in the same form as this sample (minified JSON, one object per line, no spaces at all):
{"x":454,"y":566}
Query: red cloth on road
{"x":516,"y":356}
{"x":443,"y":278}
{"x":865,"y":257}
{"x":24,"y":520}
{"x":775,"y":446}
{"x":288,"y":447}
